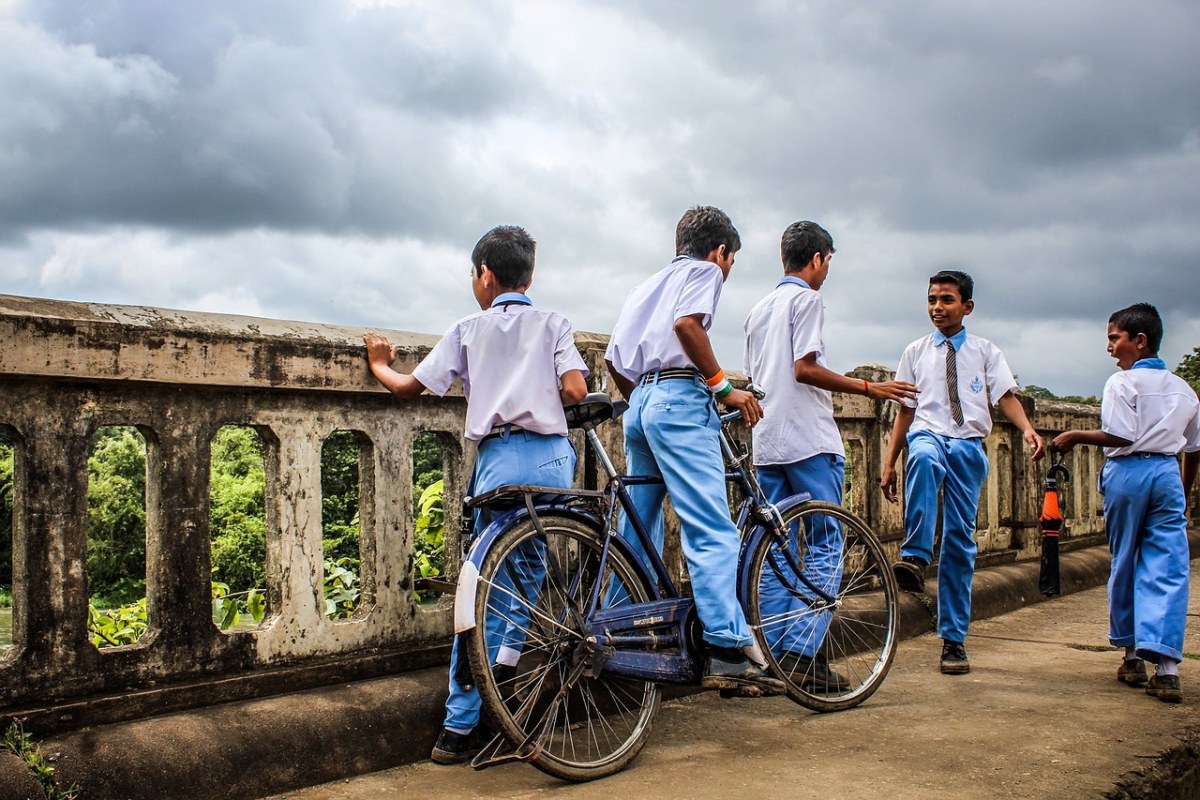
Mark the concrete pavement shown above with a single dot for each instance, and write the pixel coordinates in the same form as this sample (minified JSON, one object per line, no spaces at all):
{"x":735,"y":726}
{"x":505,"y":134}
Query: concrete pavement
{"x":1040,"y":715}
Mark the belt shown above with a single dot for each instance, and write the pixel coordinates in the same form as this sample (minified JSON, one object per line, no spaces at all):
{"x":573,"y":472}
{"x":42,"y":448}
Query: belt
{"x":1146,"y":455}
{"x":668,"y":375}
{"x":501,"y":430}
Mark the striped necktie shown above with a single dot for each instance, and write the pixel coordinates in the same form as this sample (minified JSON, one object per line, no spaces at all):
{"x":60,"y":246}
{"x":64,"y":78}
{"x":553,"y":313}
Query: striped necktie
{"x":952,"y":383}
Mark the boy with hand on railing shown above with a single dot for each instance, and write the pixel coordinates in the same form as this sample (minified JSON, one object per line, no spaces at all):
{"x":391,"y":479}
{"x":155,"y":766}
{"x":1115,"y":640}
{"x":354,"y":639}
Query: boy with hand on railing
{"x":944,"y":428}
{"x":519,"y":367}
{"x":661,"y":358}
{"x":1147,"y":416}
{"x":797,"y":445}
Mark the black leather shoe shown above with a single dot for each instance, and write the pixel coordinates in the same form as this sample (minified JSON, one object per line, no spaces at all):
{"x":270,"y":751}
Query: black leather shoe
{"x":729,"y":669}
{"x":954,"y":659}
{"x":1165,"y":688}
{"x":455,"y":748}
{"x":910,"y":574}
{"x":1132,"y":672}
{"x":812,"y":673}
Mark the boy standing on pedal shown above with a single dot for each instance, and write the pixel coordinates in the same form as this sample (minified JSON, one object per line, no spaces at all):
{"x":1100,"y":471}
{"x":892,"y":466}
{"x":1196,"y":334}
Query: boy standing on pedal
{"x":662,"y":360}
{"x":519,"y":367}
{"x":944,"y":428}
{"x":1147,"y":416}
{"x":797,"y":445}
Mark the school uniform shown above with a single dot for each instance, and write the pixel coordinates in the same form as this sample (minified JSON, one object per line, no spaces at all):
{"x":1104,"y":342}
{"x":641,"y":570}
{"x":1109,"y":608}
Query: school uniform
{"x":1157,"y":412}
{"x":797,"y":446}
{"x":672,"y":430}
{"x":947,"y":453}
{"x":511,"y":359}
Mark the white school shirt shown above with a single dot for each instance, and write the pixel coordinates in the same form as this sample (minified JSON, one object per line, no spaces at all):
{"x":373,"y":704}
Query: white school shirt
{"x":1153,"y":408}
{"x":511,"y":359}
{"x":982,"y":374}
{"x":644,"y":339}
{"x":782,"y":328}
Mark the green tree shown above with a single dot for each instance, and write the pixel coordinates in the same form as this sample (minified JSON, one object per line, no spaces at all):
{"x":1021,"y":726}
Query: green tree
{"x":238,"y":509}
{"x":1189,"y":368}
{"x":339,"y":497}
{"x":116,"y":556}
{"x":6,"y":510}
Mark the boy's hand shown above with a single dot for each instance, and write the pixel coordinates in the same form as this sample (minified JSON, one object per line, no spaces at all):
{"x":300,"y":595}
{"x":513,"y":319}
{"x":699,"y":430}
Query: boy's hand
{"x":892,"y":390}
{"x":379,"y":351}
{"x":887,"y":482}
{"x":1064,"y":442}
{"x":745,"y":402}
{"x":1037,"y":443}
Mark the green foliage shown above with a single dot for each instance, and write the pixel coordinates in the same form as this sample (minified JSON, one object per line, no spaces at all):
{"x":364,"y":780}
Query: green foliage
{"x":1042,"y":393}
{"x":1189,"y":369}
{"x":429,"y":543}
{"x":341,"y":588}
{"x":427,"y":463}
{"x":6,"y":510}
{"x":116,"y":557}
{"x":339,"y":496}
{"x":20,"y":744}
{"x":117,"y":626}
{"x":228,"y":608}
{"x":238,"y":509}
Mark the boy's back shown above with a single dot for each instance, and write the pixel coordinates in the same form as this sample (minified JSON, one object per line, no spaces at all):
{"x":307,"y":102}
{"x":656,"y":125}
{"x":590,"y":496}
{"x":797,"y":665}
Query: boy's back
{"x":1156,"y":410}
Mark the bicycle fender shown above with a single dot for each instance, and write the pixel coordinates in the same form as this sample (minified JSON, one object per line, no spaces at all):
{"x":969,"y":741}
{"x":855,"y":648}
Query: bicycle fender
{"x":750,"y":541}
{"x":468,"y":576}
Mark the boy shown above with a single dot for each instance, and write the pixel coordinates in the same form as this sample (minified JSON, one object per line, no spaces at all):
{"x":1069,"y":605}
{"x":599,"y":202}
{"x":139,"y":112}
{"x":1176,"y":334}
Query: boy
{"x":797,"y":445}
{"x":944,"y":428}
{"x":519,"y":367}
{"x":1146,"y":417}
{"x":661,"y":359}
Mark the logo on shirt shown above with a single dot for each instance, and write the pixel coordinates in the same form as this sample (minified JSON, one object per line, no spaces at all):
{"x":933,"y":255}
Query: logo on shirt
{"x":977,"y":385}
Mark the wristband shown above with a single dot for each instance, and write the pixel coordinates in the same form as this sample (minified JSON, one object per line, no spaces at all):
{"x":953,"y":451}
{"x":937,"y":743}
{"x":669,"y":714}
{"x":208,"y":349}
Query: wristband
{"x":866,"y":388}
{"x":716,"y":380}
{"x":723,"y":390}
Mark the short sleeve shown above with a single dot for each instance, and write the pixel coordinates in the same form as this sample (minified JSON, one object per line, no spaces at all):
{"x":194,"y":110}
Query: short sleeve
{"x":1191,"y":434}
{"x":700,"y":292}
{"x":904,"y":372}
{"x":1000,"y":380}
{"x":1118,"y":409}
{"x":445,"y":363}
{"x":566,"y":354}
{"x":808,"y":320}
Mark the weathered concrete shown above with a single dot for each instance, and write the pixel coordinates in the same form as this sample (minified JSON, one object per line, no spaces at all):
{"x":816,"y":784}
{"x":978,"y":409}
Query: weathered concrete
{"x":1041,"y":715}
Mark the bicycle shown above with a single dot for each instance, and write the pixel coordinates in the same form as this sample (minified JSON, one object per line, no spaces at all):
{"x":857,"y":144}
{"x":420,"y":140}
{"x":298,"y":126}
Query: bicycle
{"x":570,"y":636}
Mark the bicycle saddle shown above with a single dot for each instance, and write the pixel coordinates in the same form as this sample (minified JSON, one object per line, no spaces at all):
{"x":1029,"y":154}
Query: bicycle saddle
{"x":594,"y":407}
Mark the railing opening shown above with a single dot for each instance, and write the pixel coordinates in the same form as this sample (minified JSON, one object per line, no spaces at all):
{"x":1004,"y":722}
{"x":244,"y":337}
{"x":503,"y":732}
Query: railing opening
{"x":116,"y":538}
{"x":429,"y":513}
{"x":238,"y":522}
{"x":7,"y":499}
{"x":346,"y":459}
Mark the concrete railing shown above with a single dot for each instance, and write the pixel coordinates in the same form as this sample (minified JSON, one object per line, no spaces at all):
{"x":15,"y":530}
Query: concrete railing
{"x":67,"y":369}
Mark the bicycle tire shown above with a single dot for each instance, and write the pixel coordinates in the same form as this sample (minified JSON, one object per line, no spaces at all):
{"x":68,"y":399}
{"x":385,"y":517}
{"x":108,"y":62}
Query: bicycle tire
{"x":855,"y":637}
{"x":533,"y":589}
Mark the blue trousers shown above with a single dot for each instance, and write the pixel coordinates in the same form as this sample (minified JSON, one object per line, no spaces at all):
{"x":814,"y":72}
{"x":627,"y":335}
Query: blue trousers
{"x":1147,"y":536}
{"x":519,"y":457}
{"x":821,"y":476}
{"x":672,"y":430}
{"x":958,"y":467}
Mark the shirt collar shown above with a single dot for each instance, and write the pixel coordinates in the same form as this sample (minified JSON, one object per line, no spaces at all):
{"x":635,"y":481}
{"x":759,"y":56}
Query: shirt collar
{"x":511,"y":297}
{"x":1149,"y":363}
{"x":793,"y":279}
{"x":958,"y":339}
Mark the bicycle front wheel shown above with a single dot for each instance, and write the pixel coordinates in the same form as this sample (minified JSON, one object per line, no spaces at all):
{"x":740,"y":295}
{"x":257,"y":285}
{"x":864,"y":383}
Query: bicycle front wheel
{"x":833,"y":647}
{"x":528,"y":656}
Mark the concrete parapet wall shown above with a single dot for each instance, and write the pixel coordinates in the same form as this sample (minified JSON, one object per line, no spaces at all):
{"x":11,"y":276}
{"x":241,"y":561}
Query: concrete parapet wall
{"x":67,"y":369}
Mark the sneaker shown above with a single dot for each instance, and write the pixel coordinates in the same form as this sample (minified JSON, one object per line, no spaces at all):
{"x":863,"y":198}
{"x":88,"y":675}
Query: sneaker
{"x":1165,"y":688}
{"x":813,"y":672}
{"x":910,"y":574}
{"x":954,"y":659}
{"x":455,"y":748}
{"x":1132,"y":671}
{"x":730,"y":670}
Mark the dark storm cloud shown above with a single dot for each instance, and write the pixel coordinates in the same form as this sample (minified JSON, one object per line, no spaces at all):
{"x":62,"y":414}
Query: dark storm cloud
{"x":336,"y":161}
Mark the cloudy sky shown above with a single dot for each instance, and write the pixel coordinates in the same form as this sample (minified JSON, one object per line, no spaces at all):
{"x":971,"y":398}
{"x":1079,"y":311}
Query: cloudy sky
{"x":336,"y":161}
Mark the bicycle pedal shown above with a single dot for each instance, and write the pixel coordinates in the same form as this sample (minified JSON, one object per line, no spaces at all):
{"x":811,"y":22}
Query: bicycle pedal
{"x":741,"y":691}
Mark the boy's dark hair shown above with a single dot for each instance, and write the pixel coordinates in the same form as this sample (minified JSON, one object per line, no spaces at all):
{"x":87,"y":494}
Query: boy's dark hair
{"x":508,"y":251}
{"x":966,"y":286}
{"x":1140,"y":318}
{"x":703,"y":229}
{"x":801,"y":241}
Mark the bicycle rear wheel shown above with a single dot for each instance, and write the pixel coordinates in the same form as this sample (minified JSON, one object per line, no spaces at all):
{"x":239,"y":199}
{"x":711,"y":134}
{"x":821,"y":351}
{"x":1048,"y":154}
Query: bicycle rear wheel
{"x":527,"y":656}
{"x":834,"y":653}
